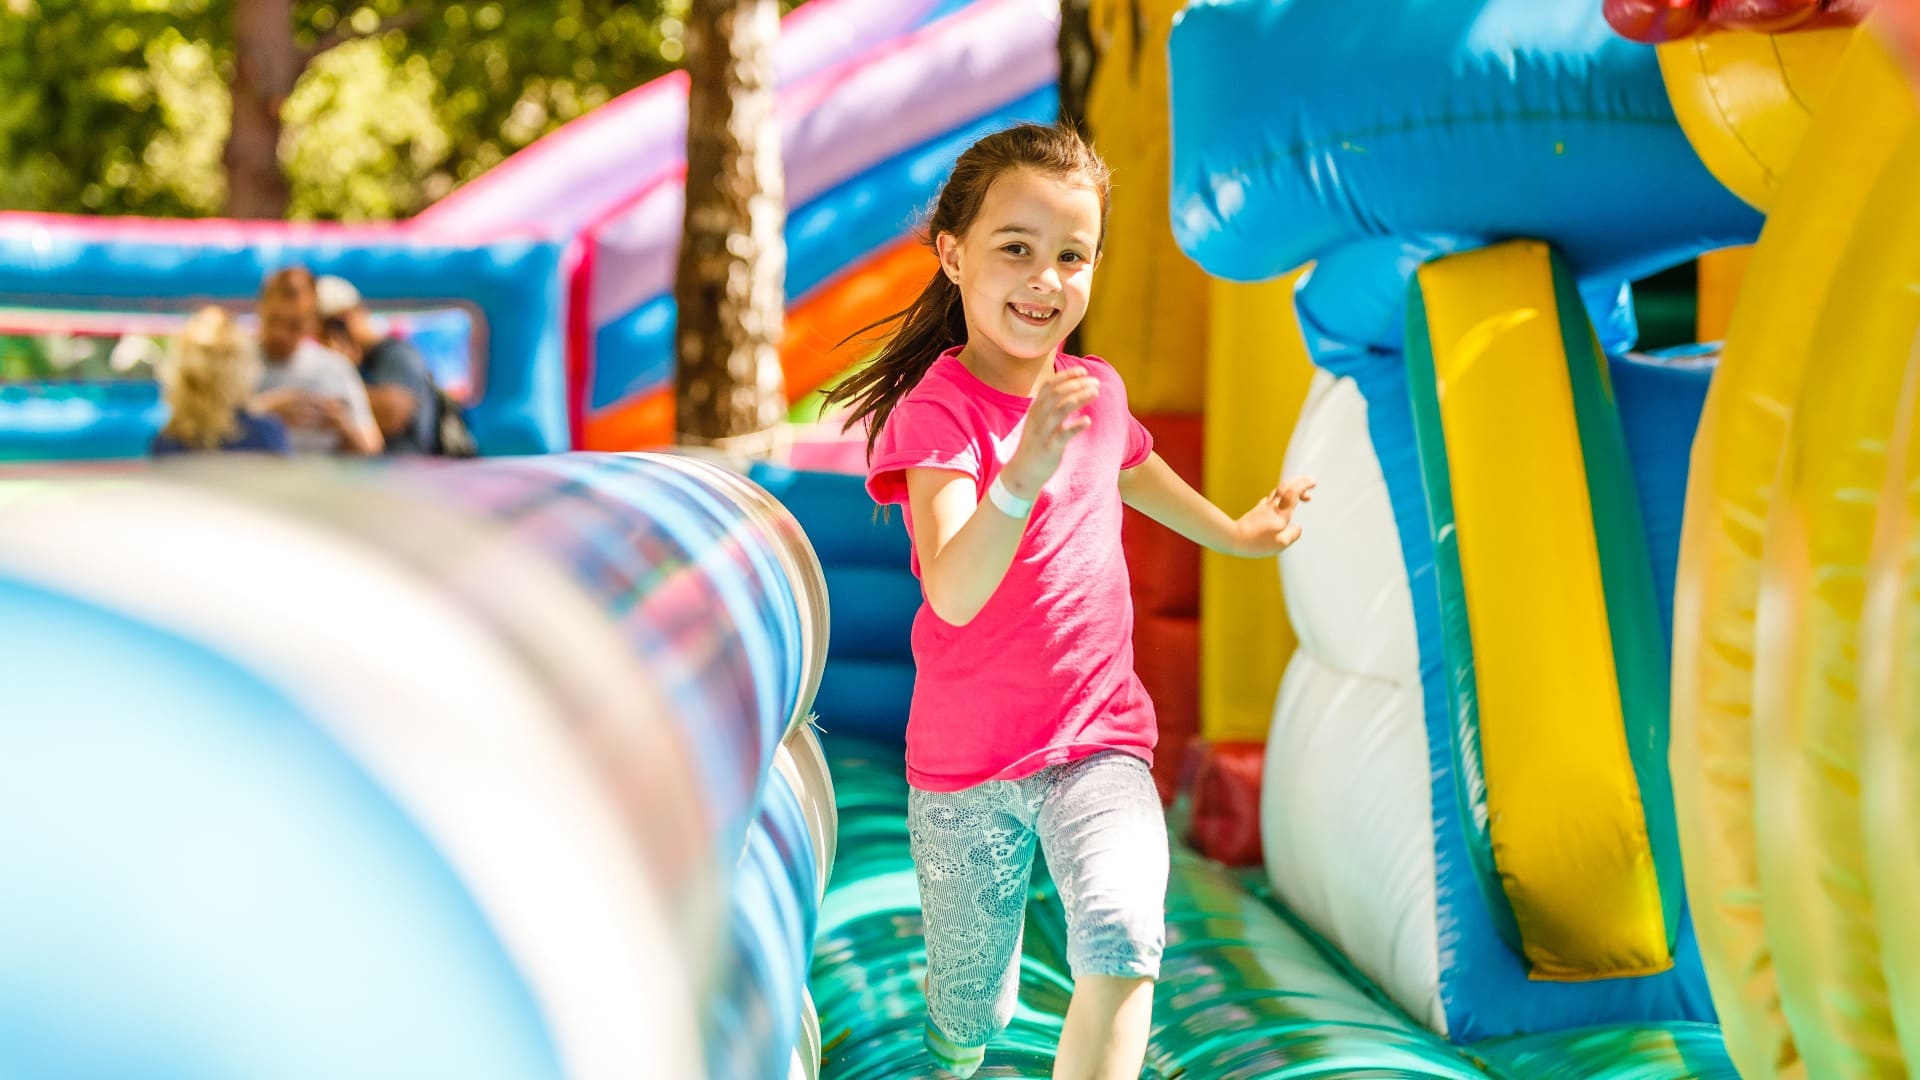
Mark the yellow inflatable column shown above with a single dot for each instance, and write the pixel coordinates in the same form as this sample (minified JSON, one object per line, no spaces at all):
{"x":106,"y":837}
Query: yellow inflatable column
{"x":1554,"y":658}
{"x":1890,"y":677}
{"x":1721,"y":273}
{"x":1807,"y":724}
{"x":1148,"y":318}
{"x":1890,"y":714}
{"x":1258,"y":375}
{"x":1731,"y":491}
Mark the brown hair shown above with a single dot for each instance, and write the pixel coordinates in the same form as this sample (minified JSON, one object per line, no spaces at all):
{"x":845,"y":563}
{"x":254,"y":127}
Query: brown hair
{"x":934,"y":322}
{"x":207,"y":375}
{"x":294,"y":285}
{"x":289,"y":283}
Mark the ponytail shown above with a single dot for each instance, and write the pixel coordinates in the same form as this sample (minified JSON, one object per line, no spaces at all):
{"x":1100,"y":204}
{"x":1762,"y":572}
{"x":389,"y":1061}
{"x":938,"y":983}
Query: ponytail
{"x":932,"y":324}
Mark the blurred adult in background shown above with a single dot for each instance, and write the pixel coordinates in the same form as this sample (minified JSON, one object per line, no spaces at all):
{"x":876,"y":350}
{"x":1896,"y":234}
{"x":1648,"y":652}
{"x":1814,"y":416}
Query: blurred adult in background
{"x":398,"y":385}
{"x":206,"y":378}
{"x":313,"y":390}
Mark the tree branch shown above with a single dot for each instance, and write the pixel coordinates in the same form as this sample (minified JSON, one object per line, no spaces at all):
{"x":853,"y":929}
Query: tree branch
{"x":344,"y":32}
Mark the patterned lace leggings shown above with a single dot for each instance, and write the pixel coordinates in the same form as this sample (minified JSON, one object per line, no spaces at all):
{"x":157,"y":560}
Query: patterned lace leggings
{"x":1098,"y":821}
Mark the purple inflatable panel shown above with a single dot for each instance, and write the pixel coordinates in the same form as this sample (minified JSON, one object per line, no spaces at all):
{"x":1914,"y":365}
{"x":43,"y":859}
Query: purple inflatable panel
{"x":840,"y":123}
{"x":585,"y":168}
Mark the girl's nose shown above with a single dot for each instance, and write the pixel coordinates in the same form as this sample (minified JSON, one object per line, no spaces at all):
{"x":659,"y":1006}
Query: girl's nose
{"x":1047,"y":280}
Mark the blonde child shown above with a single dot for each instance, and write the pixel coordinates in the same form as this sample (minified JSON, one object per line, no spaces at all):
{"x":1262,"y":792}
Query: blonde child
{"x":206,"y":379}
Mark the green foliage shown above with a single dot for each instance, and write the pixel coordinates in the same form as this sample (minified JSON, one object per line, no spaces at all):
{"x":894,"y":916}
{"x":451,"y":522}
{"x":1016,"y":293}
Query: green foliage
{"x":122,"y":106}
{"x":101,"y":107}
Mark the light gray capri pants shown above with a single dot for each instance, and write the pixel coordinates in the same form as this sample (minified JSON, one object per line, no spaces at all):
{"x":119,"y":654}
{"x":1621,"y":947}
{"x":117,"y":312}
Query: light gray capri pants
{"x":1099,"y":822}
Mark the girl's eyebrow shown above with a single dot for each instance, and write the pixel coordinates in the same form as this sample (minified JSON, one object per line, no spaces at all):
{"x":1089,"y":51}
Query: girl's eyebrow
{"x":1028,"y":230}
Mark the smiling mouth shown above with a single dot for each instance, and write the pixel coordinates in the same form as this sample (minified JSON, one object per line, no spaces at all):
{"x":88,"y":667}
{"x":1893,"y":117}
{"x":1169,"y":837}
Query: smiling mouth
{"x":1033,"y":315}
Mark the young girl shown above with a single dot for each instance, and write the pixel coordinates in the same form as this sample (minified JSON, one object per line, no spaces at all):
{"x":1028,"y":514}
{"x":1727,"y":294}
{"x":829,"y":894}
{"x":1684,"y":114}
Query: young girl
{"x":1028,"y":723}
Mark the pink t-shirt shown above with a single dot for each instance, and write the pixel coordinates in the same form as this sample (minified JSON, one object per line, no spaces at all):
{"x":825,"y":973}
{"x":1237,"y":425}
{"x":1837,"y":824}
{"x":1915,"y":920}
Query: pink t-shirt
{"x":1044,"y":673}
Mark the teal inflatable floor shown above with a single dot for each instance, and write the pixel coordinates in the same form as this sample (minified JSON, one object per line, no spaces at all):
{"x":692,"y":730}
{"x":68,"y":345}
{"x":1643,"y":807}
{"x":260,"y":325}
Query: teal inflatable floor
{"x":1245,"y":991}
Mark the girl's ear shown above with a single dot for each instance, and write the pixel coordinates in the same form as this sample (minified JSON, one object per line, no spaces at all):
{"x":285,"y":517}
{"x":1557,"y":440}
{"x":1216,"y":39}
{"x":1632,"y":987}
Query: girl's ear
{"x":947,"y":246}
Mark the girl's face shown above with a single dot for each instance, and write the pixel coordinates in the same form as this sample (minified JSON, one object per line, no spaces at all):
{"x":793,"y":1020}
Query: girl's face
{"x":1025,"y":265}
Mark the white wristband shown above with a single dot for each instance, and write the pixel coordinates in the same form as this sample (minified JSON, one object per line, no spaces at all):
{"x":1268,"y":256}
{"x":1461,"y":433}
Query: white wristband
{"x":1008,"y":503}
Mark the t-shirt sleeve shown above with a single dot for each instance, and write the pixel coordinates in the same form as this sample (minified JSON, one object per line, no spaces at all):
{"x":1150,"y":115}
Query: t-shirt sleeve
{"x":919,"y":434}
{"x":1139,"y":443}
{"x":1139,"y":439}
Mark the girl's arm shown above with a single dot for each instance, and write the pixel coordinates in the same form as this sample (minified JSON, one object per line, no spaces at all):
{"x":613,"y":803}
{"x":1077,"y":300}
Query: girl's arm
{"x":1154,"y":489}
{"x":965,"y":546}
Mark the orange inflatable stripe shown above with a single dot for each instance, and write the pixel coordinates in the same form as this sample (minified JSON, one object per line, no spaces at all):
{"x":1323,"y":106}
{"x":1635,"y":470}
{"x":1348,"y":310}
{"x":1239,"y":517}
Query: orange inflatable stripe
{"x":875,"y":289}
{"x":881,"y":286}
{"x":638,"y":423}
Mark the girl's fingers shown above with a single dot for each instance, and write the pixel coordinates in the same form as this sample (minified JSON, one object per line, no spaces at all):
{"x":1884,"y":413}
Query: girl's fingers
{"x":1062,"y":410}
{"x":1069,"y":387}
{"x":1288,"y":535}
{"x":1292,"y":493}
{"x":1066,"y":430}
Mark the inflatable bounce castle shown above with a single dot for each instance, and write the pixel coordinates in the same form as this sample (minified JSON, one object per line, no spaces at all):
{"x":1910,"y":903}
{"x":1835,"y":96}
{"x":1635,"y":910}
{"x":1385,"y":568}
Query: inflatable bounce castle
{"x":1578,"y":739}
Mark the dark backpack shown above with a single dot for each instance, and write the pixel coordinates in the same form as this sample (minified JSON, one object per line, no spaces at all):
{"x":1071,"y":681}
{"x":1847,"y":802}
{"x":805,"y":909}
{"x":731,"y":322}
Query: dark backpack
{"x":452,"y":437}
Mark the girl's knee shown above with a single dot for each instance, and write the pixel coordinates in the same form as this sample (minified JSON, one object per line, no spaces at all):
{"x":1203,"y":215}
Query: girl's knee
{"x":1117,"y":944}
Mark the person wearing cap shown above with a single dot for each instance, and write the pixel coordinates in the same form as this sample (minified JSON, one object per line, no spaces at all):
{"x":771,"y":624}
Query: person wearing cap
{"x":404,"y":404}
{"x":313,"y":390}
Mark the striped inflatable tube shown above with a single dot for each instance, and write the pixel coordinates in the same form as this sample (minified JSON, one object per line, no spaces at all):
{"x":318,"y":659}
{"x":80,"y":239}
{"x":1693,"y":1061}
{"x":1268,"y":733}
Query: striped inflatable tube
{"x":495,"y":767}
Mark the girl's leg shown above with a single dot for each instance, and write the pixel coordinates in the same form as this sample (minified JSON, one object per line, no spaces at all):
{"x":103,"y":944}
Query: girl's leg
{"x":1106,"y":1033}
{"x":972,"y":854}
{"x":1105,"y":838}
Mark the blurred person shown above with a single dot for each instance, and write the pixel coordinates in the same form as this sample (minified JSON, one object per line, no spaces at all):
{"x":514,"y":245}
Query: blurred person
{"x":398,"y":385}
{"x":335,"y":335}
{"x":206,"y":378}
{"x":313,"y":390}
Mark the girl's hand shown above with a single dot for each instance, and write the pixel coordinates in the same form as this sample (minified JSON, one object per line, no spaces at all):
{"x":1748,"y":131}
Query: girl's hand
{"x":1049,"y":427}
{"x":1268,"y":528}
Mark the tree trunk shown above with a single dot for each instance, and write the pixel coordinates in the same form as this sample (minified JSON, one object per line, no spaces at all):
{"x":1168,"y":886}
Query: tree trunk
{"x":266,"y":64}
{"x":728,"y":386}
{"x":1079,"y":55}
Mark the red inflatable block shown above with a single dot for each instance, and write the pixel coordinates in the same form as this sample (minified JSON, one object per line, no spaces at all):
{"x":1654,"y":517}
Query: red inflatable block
{"x":1761,"y":16}
{"x":1656,"y":21}
{"x":1165,"y":571}
{"x":1226,"y":803}
{"x":1166,"y":654}
{"x":1165,"y":566}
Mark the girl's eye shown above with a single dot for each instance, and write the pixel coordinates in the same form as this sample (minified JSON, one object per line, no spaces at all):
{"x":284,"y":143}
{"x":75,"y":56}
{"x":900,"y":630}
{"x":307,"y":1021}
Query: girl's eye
{"x":1015,"y":250}
{"x":1072,"y":257}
